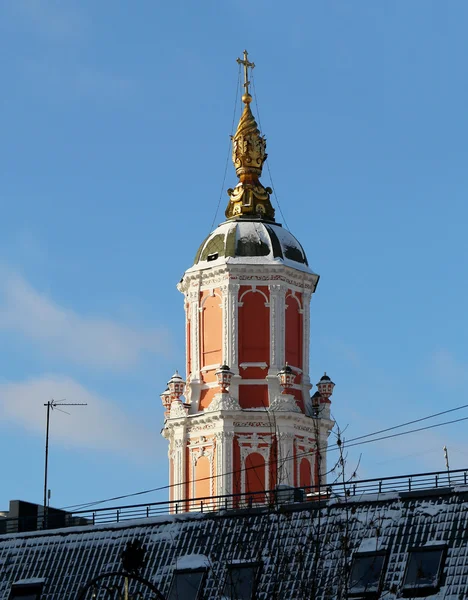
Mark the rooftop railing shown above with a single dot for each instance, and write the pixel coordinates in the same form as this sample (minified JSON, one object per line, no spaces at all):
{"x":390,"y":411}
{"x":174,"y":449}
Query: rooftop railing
{"x":280,"y":496}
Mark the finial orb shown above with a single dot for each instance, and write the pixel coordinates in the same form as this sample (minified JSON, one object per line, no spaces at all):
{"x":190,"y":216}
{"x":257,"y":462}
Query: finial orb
{"x":246,"y":98}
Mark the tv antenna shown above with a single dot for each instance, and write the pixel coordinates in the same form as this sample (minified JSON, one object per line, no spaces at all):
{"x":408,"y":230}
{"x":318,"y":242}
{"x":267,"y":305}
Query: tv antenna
{"x":52,"y":405}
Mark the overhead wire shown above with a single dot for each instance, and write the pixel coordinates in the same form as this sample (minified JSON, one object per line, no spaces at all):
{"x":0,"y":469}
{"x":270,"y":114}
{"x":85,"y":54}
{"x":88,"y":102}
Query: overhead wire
{"x":348,"y":444}
{"x":267,"y":162}
{"x":229,"y":149}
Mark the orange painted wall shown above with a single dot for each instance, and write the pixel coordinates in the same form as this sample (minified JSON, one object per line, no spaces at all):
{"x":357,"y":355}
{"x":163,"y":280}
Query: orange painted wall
{"x":254,"y":326}
{"x":202,"y":478}
{"x":294,"y":332}
{"x":206,"y":396}
{"x":211,"y":325}
{"x":255,"y":476}
{"x":253,"y":396}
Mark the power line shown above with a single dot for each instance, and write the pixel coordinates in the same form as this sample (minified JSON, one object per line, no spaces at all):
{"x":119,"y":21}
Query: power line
{"x":267,"y":161}
{"x":229,"y":150}
{"x":444,"y":412}
{"x":358,"y":441}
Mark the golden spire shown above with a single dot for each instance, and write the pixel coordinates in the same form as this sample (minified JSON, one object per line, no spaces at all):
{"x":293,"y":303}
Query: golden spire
{"x":249,"y":197}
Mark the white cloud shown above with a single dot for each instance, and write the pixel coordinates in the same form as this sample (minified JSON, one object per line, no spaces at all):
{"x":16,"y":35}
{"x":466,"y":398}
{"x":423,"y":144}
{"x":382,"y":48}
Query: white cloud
{"x":98,"y":426}
{"x":94,"y":341}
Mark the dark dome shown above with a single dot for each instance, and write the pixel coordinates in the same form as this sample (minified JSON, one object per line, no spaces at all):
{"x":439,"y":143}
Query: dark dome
{"x":251,"y":241}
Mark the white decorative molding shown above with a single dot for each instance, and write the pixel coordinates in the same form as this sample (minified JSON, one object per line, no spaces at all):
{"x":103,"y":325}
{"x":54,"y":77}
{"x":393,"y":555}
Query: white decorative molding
{"x":260,"y":365}
{"x":194,"y":298}
{"x":178,"y":410}
{"x":285,"y":402}
{"x":209,"y":368}
{"x":178,"y":468}
{"x":223,"y":402}
{"x":286,"y":457}
{"x":253,"y":289}
{"x":210,"y":295}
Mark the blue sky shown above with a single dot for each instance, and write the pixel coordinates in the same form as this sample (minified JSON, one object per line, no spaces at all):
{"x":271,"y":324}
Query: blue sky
{"x":115,"y":129}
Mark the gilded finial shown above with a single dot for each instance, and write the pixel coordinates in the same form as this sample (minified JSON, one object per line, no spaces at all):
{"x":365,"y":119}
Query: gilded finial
{"x":246,"y":98}
{"x":249,"y":198}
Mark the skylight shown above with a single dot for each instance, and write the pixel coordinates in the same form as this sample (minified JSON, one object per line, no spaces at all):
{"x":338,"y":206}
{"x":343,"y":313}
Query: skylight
{"x":187,"y":584}
{"x":27,"y":589}
{"x":366,"y":573}
{"x":423,"y":570}
{"x":240,"y":581}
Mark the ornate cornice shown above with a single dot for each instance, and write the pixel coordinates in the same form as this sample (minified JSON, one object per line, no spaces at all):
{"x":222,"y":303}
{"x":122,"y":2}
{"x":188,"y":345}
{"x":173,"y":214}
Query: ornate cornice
{"x":284,"y":403}
{"x":223,"y":402}
{"x":243,"y":274}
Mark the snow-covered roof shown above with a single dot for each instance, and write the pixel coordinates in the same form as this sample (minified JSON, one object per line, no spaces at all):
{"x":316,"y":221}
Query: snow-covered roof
{"x":251,"y":241}
{"x":299,"y":547}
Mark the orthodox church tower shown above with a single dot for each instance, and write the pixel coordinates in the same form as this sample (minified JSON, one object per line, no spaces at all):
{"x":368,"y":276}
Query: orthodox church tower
{"x":247,"y":423}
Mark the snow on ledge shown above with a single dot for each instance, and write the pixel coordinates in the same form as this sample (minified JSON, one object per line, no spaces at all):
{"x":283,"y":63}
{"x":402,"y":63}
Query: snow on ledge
{"x":193,"y":561}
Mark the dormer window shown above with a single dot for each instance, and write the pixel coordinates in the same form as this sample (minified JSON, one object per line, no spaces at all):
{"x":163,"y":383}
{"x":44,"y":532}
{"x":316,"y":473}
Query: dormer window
{"x":423,"y":571}
{"x":27,"y":589}
{"x":366,"y":575}
{"x":211,"y":257}
{"x":187,"y":584}
{"x":241,"y":581}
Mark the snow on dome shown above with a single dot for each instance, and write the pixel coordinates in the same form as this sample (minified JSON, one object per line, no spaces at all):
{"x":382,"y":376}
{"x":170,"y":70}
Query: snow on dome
{"x":251,"y":242}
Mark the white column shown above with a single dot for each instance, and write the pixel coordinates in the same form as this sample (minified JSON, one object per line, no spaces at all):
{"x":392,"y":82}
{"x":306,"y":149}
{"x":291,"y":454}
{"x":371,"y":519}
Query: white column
{"x":286,"y":458}
{"x":277,"y":307}
{"x":194,"y":297}
{"x":179,"y":468}
{"x":306,"y":296}
{"x":230,"y":326}
{"x":224,"y":440}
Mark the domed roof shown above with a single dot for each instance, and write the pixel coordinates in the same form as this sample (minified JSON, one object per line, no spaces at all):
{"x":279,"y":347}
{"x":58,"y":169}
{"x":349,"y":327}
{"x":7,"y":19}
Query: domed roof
{"x":251,"y":241}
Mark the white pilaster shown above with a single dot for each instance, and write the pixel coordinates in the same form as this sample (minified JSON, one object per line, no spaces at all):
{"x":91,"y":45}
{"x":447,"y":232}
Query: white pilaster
{"x":286,"y":458}
{"x":224,"y":440}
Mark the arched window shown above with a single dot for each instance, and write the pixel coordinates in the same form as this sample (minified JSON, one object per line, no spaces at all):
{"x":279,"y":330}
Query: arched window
{"x":255,"y":477}
{"x":202,"y":478}
{"x":305,"y":473}
{"x":254,"y":328}
{"x":293,"y":332}
{"x":211,"y":327}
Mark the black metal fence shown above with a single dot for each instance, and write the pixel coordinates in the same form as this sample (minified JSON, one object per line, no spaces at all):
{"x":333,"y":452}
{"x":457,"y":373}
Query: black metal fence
{"x":280,"y":496}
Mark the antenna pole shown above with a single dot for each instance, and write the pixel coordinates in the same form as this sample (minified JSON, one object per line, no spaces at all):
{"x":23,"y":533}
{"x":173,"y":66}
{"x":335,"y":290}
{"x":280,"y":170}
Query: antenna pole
{"x":51,"y":405}
{"x":447,"y":465}
{"x":46,"y":468}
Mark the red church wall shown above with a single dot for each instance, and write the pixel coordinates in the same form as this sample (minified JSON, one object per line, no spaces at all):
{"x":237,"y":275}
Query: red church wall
{"x":211,"y":325}
{"x":236,"y":467}
{"x":254,"y":325}
{"x":299,"y":399}
{"x":305,"y":474}
{"x":294,"y":332}
{"x":253,"y":396}
{"x":255,"y":476}
{"x":273,"y":464}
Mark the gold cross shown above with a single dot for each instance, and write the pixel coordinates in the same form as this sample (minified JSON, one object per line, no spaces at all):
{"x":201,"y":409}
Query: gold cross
{"x":246,"y":64}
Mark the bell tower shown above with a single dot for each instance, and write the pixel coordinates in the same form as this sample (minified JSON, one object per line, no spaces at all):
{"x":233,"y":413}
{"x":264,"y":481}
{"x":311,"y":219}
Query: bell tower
{"x":247,"y":422}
